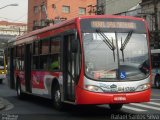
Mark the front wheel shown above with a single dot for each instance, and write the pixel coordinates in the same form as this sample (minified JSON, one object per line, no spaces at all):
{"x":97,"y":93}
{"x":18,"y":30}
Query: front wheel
{"x":115,"y":106}
{"x":56,"y":97}
{"x":157,"y":81}
{"x":1,"y":81}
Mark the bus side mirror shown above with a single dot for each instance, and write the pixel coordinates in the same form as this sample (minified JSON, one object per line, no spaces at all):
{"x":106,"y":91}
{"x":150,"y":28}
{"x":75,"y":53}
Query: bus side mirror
{"x":74,"y":45}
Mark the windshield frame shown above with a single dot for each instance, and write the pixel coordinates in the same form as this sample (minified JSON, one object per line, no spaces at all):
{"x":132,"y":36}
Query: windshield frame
{"x":117,"y":79}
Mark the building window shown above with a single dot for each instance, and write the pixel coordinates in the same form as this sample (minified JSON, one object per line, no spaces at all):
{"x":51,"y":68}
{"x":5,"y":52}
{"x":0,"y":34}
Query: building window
{"x":43,"y":22}
{"x":66,"y":9}
{"x":35,"y":23}
{"x":53,"y":6}
{"x":35,"y":9}
{"x":43,"y":8}
{"x":82,"y":11}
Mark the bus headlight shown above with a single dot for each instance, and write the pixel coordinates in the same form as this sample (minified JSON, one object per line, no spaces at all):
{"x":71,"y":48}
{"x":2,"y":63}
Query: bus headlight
{"x":143,"y":87}
{"x":93,"y":88}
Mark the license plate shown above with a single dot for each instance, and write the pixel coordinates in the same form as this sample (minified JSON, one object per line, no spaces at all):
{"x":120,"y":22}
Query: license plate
{"x":119,"y":98}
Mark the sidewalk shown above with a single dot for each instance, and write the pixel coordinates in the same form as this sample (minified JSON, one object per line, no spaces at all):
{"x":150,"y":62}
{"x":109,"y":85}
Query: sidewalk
{"x":2,"y":105}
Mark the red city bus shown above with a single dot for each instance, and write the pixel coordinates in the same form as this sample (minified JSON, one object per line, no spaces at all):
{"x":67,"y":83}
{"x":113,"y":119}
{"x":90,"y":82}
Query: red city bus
{"x":87,"y":60}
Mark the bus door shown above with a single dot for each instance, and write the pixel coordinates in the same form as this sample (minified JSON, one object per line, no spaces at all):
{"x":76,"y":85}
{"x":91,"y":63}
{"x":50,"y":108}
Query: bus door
{"x":69,"y":68}
{"x":10,"y":68}
{"x":28,"y":67}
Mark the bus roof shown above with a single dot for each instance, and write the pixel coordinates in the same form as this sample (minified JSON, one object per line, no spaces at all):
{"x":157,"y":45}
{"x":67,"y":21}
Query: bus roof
{"x":72,"y":21}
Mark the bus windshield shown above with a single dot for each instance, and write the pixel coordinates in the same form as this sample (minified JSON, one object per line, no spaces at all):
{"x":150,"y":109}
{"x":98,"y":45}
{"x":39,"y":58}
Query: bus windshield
{"x":116,"y":56}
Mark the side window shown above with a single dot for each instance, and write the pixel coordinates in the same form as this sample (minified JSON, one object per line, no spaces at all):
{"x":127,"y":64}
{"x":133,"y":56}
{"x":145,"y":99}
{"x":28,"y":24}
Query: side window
{"x":35,"y":48}
{"x":55,"y":59}
{"x":35,"y":64}
{"x":22,"y":58}
{"x":44,"y":54}
{"x":18,"y":52}
{"x":45,"y":46}
{"x":18,"y":63}
{"x":47,"y":54}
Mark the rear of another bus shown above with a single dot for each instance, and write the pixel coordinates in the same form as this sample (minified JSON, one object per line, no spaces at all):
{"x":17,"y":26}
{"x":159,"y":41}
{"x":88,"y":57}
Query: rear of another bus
{"x":155,"y":56}
{"x":2,"y":67}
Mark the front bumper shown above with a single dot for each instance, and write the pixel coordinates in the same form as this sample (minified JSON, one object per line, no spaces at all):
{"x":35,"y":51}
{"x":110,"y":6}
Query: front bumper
{"x":87,"y":97}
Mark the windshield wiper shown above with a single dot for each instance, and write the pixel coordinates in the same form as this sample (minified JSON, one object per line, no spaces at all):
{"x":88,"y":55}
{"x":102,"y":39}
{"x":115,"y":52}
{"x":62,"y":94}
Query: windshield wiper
{"x":107,"y":41}
{"x":123,"y":45}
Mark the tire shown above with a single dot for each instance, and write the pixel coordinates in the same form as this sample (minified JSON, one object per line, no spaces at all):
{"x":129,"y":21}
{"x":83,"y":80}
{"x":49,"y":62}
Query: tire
{"x":56,"y":98}
{"x":115,"y":106}
{"x":20,"y":95}
{"x":1,"y":81}
{"x":157,"y":81}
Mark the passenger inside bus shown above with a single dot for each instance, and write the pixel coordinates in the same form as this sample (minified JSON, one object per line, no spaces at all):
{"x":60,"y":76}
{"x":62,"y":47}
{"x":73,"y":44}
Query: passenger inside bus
{"x":54,"y":65}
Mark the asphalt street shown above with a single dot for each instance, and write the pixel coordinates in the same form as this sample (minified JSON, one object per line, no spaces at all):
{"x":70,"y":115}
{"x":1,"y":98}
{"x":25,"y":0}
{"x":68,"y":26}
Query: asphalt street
{"x":39,"y":108}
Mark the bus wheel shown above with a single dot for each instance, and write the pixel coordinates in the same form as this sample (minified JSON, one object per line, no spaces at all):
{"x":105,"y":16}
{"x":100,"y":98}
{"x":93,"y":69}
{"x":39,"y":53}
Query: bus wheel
{"x":56,"y":97}
{"x":157,"y":81}
{"x":20,"y":95}
{"x":1,"y":81}
{"x":115,"y":106}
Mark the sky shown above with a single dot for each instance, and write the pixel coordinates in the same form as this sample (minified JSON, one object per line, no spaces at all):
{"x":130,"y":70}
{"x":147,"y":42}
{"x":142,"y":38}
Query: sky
{"x":14,"y":13}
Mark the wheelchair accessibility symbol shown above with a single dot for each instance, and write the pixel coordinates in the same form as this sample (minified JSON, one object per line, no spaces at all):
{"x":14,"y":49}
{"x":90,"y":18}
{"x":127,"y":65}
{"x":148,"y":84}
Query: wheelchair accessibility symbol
{"x":123,"y":75}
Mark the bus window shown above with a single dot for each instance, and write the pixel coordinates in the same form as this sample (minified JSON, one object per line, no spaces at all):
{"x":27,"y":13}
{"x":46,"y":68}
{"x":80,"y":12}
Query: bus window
{"x":55,"y":54}
{"x":44,"y":59}
{"x":35,"y":64}
{"x":55,"y":62}
{"x":44,"y":46}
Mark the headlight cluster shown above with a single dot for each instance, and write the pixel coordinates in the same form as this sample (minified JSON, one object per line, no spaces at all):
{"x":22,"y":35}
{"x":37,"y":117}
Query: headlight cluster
{"x":143,"y":87}
{"x":93,"y":88}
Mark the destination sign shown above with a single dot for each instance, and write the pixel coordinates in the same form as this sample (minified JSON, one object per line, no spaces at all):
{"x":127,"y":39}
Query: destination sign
{"x":112,"y":25}
{"x":107,"y":24}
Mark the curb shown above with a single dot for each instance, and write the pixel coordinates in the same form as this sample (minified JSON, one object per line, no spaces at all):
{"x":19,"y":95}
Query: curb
{"x":2,"y":106}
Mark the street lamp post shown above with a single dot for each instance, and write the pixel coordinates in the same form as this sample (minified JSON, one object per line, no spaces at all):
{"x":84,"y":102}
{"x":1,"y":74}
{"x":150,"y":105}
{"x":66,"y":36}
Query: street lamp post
{"x":9,"y":5}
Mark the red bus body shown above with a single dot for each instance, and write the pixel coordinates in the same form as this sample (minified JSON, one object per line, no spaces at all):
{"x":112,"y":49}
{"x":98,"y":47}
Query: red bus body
{"x":41,"y":81}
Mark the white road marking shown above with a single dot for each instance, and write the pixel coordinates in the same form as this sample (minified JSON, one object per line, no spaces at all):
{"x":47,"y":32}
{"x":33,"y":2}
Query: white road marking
{"x":154,"y":103}
{"x":146,"y":106}
{"x":134,"y":109}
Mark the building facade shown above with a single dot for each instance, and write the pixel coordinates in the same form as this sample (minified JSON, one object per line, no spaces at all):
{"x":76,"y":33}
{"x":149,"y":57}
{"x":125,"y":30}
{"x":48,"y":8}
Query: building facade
{"x":117,"y":6}
{"x":147,"y":9}
{"x":151,"y":12}
{"x":11,"y":28}
{"x":42,"y":11}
